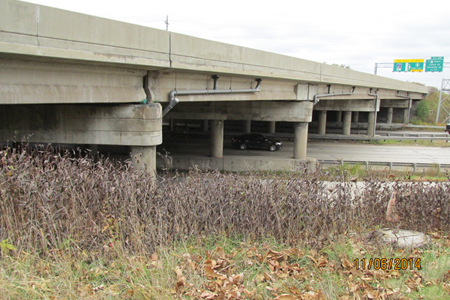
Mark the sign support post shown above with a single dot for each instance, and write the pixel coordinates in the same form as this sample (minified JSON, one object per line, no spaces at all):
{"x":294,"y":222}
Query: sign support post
{"x":444,"y":87}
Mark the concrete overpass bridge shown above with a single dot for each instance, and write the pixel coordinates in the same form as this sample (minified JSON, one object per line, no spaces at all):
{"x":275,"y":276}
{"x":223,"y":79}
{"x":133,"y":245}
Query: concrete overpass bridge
{"x":72,"y":78}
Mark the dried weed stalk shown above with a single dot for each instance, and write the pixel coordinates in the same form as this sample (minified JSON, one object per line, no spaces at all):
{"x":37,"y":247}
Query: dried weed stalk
{"x":49,"y":201}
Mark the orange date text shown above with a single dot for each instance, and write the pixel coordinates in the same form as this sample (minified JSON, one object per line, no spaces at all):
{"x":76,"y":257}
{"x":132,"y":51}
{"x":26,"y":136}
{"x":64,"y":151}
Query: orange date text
{"x":388,"y":263}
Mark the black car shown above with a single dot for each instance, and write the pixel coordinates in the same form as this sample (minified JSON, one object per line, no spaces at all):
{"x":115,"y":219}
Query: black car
{"x":255,"y":141}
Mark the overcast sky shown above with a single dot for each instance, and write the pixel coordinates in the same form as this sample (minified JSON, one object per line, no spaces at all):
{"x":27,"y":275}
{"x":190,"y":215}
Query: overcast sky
{"x":354,"y":33}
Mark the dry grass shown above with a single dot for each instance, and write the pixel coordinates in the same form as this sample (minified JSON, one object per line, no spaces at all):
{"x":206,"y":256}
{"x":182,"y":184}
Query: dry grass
{"x":218,"y":267}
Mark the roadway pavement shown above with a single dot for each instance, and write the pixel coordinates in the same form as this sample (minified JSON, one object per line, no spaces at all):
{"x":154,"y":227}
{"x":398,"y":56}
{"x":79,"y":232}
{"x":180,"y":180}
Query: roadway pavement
{"x":321,"y":150}
{"x":380,"y":153}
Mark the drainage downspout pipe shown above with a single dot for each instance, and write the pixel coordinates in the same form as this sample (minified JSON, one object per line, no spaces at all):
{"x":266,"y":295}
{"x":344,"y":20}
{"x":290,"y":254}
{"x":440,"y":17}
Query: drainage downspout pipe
{"x":317,"y":97}
{"x":409,"y":105}
{"x":174,"y":101}
{"x":377,"y":99}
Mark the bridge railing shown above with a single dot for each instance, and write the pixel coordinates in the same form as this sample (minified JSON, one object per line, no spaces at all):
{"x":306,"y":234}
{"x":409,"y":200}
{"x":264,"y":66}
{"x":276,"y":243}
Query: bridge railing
{"x":391,"y":165}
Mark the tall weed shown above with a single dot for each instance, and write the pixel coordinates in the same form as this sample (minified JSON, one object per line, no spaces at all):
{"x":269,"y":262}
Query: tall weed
{"x":50,"y":200}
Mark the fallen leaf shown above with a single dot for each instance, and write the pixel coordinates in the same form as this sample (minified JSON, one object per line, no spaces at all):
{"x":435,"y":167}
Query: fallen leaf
{"x":322,"y":262}
{"x":154,"y":257}
{"x":237,"y":279}
{"x":208,"y":295}
{"x":220,"y":252}
{"x":248,"y":293}
{"x":181,"y":280}
{"x":346,"y":263}
{"x":372,"y":295}
{"x":211,"y":273}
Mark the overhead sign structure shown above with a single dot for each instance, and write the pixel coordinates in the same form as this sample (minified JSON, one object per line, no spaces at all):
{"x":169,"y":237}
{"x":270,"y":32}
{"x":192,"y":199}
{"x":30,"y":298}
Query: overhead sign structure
{"x":408,"y":65}
{"x":435,"y":64}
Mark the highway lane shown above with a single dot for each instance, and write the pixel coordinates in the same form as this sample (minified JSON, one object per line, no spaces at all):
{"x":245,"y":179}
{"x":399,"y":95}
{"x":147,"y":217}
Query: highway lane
{"x":322,"y":151}
{"x":383,"y":153}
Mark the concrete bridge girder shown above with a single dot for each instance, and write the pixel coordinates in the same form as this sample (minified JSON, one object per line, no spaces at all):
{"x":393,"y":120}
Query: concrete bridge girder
{"x":25,"y":82}
{"x":161,"y":83}
{"x":288,"y":111}
{"x":395,"y":103}
{"x":367,"y":105}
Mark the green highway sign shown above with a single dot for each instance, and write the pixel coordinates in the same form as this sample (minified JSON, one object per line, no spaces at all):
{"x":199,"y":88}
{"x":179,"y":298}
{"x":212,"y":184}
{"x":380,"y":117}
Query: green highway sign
{"x":435,"y":64}
{"x":408,"y":65}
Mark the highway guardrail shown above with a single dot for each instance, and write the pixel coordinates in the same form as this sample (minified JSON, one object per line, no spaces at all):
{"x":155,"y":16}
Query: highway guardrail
{"x":391,"y":165}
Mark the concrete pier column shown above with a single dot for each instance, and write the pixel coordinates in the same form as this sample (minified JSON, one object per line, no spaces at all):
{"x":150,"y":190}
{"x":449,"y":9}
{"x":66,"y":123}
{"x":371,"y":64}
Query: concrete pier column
{"x":217,"y":138}
{"x":248,"y":126}
{"x":339,"y":116}
{"x":300,"y":140}
{"x":205,"y":125}
{"x":272,"y":126}
{"x":322,"y":122}
{"x":355,"y":117}
{"x":371,"y":124}
{"x":406,"y":116}
{"x":144,"y":158}
{"x":390,"y":115}
{"x":347,"y":122}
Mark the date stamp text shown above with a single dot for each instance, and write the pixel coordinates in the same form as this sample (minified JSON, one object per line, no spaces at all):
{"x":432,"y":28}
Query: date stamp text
{"x":388,"y":263}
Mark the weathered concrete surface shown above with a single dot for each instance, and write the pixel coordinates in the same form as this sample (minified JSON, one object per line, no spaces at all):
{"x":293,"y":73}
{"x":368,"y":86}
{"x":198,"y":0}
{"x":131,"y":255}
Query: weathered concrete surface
{"x":144,"y":158}
{"x":347,"y":122}
{"x":401,"y":238}
{"x":128,"y":125}
{"x":217,"y":138}
{"x":33,"y":82}
{"x":400,"y":103}
{"x":40,"y":32}
{"x":289,"y":111}
{"x":346,"y":105}
{"x":322,"y":126}
{"x":161,"y":83}
{"x":300,"y":140}
{"x":37,"y":30}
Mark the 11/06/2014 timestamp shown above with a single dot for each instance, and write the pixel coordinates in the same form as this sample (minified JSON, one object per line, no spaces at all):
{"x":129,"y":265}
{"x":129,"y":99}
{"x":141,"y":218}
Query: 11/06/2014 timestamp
{"x":388,"y":263}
